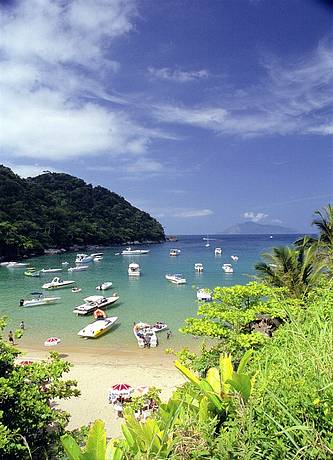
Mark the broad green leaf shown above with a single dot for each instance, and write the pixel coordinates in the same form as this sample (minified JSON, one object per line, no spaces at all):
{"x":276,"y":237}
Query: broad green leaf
{"x":203,"y":410}
{"x":213,"y":378}
{"x":96,"y":442}
{"x":242,"y":384}
{"x":128,"y":435}
{"x":226,"y":370}
{"x":188,"y":374}
{"x":113,"y":452}
{"x":211,"y":395}
{"x":71,"y":447}
{"x":245,"y":359}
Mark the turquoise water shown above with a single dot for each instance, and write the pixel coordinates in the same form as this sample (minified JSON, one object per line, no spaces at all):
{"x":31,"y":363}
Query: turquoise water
{"x":148,"y":298}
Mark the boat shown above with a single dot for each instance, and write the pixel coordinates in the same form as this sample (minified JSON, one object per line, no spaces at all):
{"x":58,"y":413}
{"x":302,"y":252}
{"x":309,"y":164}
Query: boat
{"x":207,"y":242}
{"x":227,"y":268}
{"x":198,"y":267}
{"x":104,"y":286}
{"x":64,"y":263}
{"x":134,"y":252}
{"x":76,"y":289}
{"x":51,"y":270}
{"x":79,"y":268}
{"x":234,"y":258}
{"x":38,"y":299}
{"x":176,"y":279}
{"x":32,"y":272}
{"x":83,"y":259}
{"x":4,"y":264}
{"x":98,"y":327}
{"x":174,"y":252}
{"x":98,"y":258}
{"x":218,"y":251}
{"x":97,"y":255}
{"x":93,"y":302}
{"x":58,"y":283}
{"x":134,"y":269}
{"x":204,"y":295}
{"x":158,"y":326}
{"x":145,"y":335}
{"x":16,"y":264}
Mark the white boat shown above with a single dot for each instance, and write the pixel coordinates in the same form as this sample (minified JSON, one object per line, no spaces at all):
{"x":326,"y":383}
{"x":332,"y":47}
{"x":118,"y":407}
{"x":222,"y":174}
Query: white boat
{"x":227,"y":268}
{"x":176,"y":279}
{"x":58,"y":283}
{"x":234,"y":258}
{"x":218,"y":251}
{"x":104,"y":286}
{"x":207,"y":242}
{"x":145,"y":335}
{"x":16,"y":264}
{"x":79,"y":268}
{"x":83,"y":259}
{"x":98,"y":327}
{"x":98,"y":258}
{"x":134,"y":252}
{"x":96,"y":255}
{"x":158,"y":327}
{"x":64,"y":263}
{"x":4,"y":264}
{"x":51,"y":270}
{"x":204,"y":295}
{"x":32,"y":272}
{"x":93,"y":302}
{"x":134,"y":270}
{"x":38,"y":299}
{"x":76,"y":289}
{"x":198,"y":267}
{"x":174,"y":252}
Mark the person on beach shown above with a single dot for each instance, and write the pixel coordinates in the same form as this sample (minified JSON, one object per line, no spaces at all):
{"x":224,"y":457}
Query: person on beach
{"x":11,"y":337}
{"x":169,"y":334}
{"x":22,"y":326}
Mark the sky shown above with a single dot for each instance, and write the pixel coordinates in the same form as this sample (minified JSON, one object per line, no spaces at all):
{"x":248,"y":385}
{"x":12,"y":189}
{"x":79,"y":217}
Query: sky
{"x":204,"y":113}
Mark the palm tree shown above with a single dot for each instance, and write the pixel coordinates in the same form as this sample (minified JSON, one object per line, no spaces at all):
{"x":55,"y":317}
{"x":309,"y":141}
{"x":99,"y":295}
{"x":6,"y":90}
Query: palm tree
{"x":294,"y":269}
{"x":324,"y":243}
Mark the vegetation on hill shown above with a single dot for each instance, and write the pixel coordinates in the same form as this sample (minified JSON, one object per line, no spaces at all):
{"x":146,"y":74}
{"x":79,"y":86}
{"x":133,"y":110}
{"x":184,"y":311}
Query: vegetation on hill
{"x":59,"y":211}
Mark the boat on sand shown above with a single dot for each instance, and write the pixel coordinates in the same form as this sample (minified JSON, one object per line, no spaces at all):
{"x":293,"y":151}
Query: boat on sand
{"x":145,"y":335}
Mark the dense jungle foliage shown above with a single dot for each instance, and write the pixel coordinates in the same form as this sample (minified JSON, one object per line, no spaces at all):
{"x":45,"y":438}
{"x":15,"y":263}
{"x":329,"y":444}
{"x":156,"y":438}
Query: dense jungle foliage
{"x":59,"y":211}
{"x":263,"y":391}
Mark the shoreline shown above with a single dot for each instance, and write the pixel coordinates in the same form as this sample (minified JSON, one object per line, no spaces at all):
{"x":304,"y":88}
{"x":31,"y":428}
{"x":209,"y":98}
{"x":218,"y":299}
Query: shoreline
{"x":98,"y":371}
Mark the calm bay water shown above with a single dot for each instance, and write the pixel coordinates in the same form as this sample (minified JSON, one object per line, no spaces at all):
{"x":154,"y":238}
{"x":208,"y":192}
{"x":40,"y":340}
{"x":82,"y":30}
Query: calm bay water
{"x":148,"y":298}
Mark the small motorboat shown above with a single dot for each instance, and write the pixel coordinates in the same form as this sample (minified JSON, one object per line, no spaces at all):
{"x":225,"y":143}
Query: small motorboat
{"x":79,"y":268}
{"x":32,"y":272}
{"x":97,"y":255}
{"x":198,"y":267}
{"x":134,"y":269}
{"x":16,"y":264}
{"x":158,"y":327}
{"x":145,"y":335}
{"x":76,"y":289}
{"x":98,"y":258}
{"x":234,"y":258}
{"x":134,"y":252}
{"x":104,"y":286}
{"x":64,"y":263}
{"x":99,"y":314}
{"x":98,"y":327}
{"x":38,"y":299}
{"x":93,"y":302}
{"x":51,"y":270}
{"x":204,"y":295}
{"x":176,"y":279}
{"x":83,"y":259}
{"x":227,"y":268}
{"x":174,"y":252}
{"x":58,"y":283}
{"x":218,"y":251}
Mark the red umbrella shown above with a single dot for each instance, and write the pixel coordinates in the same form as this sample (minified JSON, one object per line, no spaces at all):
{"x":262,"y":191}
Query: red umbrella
{"x":120,"y":389}
{"x":52,"y":341}
{"x":25,"y":363}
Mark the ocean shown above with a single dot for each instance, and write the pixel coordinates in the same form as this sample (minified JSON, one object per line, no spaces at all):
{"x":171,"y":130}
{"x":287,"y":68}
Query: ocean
{"x":148,"y":298}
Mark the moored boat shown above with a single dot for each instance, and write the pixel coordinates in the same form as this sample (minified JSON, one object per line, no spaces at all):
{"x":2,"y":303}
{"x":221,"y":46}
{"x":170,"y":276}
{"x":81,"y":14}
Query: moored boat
{"x":174,"y":252}
{"x":16,"y":264}
{"x":158,"y":326}
{"x":198,"y":267}
{"x":104,"y":286}
{"x":176,"y":279}
{"x":51,"y":270}
{"x":134,"y":270}
{"x":79,"y":268}
{"x":134,"y":252}
{"x":227,"y":268}
{"x":98,"y":327}
{"x":145,"y":335}
{"x":58,"y":283}
{"x":204,"y":295}
{"x":32,"y":272}
{"x":83,"y":259}
{"x":38,"y":299}
{"x":234,"y":258}
{"x":218,"y":251}
{"x":93,"y":302}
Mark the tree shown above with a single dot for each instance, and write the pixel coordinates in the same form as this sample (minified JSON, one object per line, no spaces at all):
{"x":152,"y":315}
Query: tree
{"x":30,"y":426}
{"x":324,"y":244}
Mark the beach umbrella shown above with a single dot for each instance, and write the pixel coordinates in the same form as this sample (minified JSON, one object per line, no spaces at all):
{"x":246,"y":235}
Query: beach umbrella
{"x":142,"y":390}
{"x":120,"y":389}
{"x":25,"y":363}
{"x":52,"y":341}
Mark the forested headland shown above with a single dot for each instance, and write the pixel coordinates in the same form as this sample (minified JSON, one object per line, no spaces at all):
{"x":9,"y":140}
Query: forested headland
{"x":56,"y":210}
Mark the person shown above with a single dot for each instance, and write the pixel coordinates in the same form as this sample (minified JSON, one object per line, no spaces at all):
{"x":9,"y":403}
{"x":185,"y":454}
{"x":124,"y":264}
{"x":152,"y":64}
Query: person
{"x":22,"y":326}
{"x":169,"y":333}
{"x":11,"y":337}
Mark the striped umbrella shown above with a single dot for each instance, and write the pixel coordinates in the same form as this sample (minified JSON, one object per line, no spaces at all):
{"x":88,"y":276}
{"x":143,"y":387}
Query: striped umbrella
{"x":120,"y":389}
{"x":25,"y":363}
{"x":52,"y":341}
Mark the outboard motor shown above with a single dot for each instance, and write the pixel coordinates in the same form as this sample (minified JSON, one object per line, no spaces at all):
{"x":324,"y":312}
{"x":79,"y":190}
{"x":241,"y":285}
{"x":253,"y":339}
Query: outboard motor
{"x":21,"y":302}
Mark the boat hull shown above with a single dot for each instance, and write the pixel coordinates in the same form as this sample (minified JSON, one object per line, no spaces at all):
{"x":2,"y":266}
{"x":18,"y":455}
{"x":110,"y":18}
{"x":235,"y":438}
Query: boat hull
{"x":97,"y":328}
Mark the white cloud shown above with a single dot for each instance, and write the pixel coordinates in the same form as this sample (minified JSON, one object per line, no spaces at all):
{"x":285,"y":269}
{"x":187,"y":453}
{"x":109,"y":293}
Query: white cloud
{"x":26,"y":170}
{"x":189,"y":213}
{"x":177,"y":75}
{"x":277,"y":221}
{"x":254,"y":217}
{"x":294,"y":98}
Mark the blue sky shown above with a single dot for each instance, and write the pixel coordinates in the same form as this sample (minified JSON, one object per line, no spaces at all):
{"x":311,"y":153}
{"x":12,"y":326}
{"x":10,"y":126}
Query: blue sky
{"x":202,"y":112}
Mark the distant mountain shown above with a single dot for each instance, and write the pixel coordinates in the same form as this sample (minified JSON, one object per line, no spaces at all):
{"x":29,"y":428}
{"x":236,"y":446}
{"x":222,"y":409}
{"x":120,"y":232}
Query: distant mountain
{"x":251,"y":228}
{"x":59,"y":211}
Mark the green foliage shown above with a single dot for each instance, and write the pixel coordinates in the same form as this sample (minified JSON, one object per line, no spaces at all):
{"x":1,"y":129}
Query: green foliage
{"x":30,"y":427}
{"x":58,"y":210}
{"x":230,"y":316}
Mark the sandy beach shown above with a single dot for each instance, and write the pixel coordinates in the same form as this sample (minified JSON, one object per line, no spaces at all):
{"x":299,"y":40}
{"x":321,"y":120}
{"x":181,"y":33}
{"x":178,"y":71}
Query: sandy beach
{"x":97,"y":372}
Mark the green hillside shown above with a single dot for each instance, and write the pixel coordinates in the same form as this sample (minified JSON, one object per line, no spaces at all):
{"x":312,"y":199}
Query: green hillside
{"x":59,"y":210}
